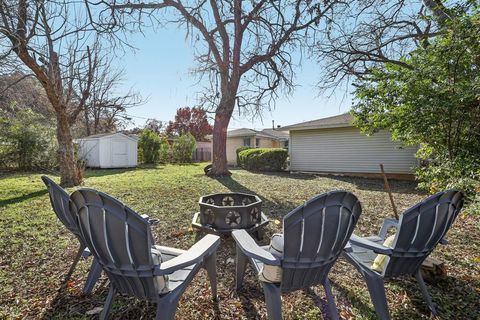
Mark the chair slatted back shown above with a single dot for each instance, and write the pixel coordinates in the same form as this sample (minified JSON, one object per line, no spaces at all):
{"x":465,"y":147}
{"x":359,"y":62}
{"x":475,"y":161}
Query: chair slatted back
{"x":60,"y":201}
{"x":120,"y":239}
{"x":421,"y":229}
{"x":315,"y":234}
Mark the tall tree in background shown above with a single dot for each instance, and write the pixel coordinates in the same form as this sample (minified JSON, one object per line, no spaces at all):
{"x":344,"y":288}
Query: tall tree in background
{"x":52,"y":40}
{"x":19,"y":91}
{"x":373,"y":33}
{"x":106,"y":106}
{"x":244,"y":49}
{"x":190,"y":120}
{"x":155,"y":125}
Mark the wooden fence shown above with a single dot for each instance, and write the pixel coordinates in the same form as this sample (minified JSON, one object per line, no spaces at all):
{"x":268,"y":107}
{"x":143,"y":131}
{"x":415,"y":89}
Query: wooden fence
{"x":202,"y":154}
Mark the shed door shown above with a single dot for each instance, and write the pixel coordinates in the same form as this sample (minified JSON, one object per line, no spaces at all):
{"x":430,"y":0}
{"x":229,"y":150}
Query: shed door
{"x":119,"y":153}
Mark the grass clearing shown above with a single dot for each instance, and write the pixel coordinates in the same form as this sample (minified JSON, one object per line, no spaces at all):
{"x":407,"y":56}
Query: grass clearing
{"x":36,"y":250}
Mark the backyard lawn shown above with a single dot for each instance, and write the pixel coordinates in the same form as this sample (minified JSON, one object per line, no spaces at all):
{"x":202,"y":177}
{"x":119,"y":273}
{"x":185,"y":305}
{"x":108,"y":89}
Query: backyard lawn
{"x":36,"y":250}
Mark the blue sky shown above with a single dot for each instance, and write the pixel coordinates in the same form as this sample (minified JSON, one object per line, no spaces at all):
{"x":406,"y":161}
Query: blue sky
{"x":160,"y":70}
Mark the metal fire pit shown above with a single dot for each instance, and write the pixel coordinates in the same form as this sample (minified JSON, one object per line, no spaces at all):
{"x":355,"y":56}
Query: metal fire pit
{"x":223,"y":212}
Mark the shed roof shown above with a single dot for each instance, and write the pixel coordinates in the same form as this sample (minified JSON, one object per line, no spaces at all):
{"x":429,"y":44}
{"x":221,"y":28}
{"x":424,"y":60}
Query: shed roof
{"x":341,"y":120}
{"x":102,"y":135}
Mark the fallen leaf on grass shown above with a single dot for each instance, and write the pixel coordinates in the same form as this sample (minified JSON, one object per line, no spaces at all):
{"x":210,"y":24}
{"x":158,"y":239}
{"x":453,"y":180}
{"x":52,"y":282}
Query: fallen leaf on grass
{"x":94,"y":311}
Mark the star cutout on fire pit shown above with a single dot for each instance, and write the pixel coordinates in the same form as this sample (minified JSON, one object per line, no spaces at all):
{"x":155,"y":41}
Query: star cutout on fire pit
{"x":233,"y":218}
{"x":227,"y":201}
{"x":246,"y":201}
{"x":255,"y":214}
{"x":210,"y":201}
{"x":210,"y":216}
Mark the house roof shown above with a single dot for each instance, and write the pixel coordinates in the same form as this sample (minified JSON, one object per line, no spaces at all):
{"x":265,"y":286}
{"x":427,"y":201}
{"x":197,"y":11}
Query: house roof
{"x":278,"y":133}
{"x":342,"y":120}
{"x":265,"y":133}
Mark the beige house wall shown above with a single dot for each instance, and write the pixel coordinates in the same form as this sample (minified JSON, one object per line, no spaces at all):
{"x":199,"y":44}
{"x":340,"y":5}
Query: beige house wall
{"x":234,"y":143}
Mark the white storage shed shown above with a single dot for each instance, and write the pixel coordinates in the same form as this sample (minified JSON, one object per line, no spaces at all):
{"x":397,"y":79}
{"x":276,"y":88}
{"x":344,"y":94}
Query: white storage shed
{"x":334,"y":145}
{"x":110,"y":150}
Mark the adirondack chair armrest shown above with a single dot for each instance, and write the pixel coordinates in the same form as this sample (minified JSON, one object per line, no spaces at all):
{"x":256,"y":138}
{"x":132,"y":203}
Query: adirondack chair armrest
{"x":86,"y":253}
{"x":348,"y":247}
{"x":367,"y":244}
{"x":251,"y":249}
{"x":200,"y":250}
{"x":387,"y":224}
{"x":151,"y":221}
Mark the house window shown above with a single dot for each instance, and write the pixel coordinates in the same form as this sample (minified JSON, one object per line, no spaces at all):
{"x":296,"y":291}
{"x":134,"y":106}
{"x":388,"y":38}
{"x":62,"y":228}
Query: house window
{"x":285,"y":144}
{"x":246,"y":142}
{"x":257,"y":142}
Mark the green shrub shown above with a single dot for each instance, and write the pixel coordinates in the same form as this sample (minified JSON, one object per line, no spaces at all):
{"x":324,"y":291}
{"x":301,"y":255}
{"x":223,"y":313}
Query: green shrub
{"x":240,"y":150}
{"x":27,"y":141}
{"x":263,"y":159}
{"x":149,"y":145}
{"x":183,"y":148}
{"x":463,"y":174}
{"x":164,"y":152}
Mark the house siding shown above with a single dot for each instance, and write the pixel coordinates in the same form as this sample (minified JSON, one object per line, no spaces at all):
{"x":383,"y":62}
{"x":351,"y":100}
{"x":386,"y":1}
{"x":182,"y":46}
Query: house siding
{"x":232,"y":145}
{"x":347,"y":150}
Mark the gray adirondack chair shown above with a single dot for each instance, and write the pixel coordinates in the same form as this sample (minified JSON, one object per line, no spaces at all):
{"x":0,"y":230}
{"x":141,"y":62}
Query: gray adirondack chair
{"x":60,"y":201}
{"x":314,"y":235}
{"x":122,"y":242}
{"x":418,"y":231}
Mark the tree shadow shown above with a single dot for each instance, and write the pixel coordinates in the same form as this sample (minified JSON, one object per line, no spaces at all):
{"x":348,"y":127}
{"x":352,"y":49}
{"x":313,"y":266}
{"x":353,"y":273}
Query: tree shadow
{"x":273,"y":209}
{"x":319,"y":302}
{"x":6,"y":202}
{"x":285,"y":174}
{"x":97,"y":172}
{"x":377,"y":184}
{"x":441,"y":292}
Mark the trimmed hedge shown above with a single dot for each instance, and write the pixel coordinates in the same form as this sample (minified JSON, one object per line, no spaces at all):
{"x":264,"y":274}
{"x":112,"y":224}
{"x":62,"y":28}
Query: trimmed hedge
{"x":263,"y":159}
{"x":240,"y":150}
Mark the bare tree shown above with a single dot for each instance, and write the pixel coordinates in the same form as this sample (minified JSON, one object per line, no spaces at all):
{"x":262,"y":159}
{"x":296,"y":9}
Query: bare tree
{"x":374,"y":32}
{"x":243,"y":48}
{"x":106,"y":105}
{"x":52,"y":39}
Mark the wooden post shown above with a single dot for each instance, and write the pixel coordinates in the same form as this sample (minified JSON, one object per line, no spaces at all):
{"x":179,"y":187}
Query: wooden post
{"x":387,"y":187}
{"x":432,"y":269}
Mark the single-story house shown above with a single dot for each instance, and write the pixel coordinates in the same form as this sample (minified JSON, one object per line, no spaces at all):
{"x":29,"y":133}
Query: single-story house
{"x":108,"y":150}
{"x":334,"y":146}
{"x":266,"y":138}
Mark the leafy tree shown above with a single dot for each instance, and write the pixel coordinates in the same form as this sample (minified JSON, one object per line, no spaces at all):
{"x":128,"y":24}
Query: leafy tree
{"x":190,"y":120}
{"x":149,"y":145}
{"x":183,"y":148}
{"x":434,"y":104}
{"x":26,"y":141}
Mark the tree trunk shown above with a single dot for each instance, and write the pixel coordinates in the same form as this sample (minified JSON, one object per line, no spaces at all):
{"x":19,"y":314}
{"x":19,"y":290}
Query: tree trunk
{"x":87,"y":123}
{"x":69,"y":176}
{"x":222,"y":119}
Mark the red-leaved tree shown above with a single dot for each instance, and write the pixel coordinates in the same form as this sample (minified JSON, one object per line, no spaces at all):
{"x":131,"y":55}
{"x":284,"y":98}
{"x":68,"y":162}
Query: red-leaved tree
{"x":193,"y":120}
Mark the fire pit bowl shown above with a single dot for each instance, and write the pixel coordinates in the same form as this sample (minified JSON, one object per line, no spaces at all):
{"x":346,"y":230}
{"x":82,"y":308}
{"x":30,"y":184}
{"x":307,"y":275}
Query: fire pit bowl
{"x":224,"y":212}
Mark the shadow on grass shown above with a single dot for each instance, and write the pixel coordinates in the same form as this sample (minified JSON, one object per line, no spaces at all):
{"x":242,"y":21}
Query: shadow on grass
{"x":321,"y":303}
{"x":273,"y":209}
{"x":445,"y":295}
{"x":376,"y":184}
{"x":4,"y":203}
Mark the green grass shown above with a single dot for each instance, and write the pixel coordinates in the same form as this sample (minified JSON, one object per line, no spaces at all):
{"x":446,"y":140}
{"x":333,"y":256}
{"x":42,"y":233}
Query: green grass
{"x":36,"y":250}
